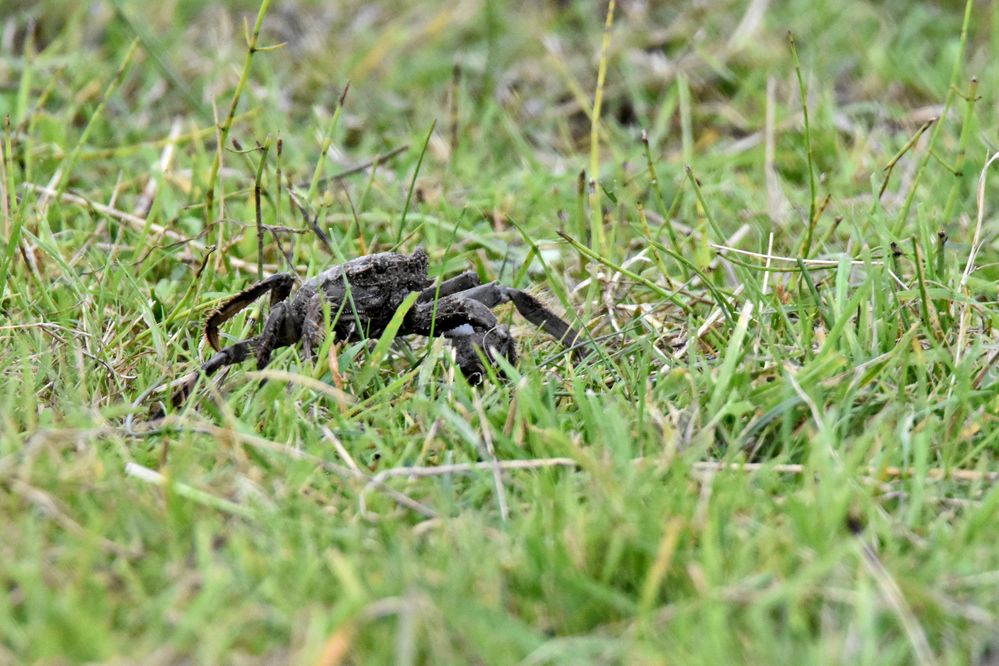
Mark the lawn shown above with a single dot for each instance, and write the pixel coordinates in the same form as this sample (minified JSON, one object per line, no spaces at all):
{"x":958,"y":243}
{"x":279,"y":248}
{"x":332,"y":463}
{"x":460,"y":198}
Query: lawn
{"x":774,"y":221}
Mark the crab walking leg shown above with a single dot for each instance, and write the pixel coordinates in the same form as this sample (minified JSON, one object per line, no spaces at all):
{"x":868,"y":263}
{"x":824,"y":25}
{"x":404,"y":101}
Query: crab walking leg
{"x":313,"y":332}
{"x":472,"y":328}
{"x":231,"y":355}
{"x":279,"y":287}
{"x":454,"y":285}
{"x":531,"y":309}
{"x":449,"y":314}
{"x":280,"y":330}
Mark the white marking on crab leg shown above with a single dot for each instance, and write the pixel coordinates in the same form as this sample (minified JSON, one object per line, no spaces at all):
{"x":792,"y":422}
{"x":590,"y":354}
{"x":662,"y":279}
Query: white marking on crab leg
{"x":460,"y":332}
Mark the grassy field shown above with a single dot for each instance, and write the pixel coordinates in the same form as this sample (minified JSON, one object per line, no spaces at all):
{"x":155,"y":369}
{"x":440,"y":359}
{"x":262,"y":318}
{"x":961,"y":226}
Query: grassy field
{"x":785,"y":451}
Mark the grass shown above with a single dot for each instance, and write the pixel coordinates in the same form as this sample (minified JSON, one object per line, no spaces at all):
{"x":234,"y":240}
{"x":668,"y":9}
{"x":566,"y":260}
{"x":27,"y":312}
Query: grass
{"x":785,"y":451}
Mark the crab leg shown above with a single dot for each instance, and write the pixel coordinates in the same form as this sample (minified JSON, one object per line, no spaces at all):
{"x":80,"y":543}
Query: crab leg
{"x":279,"y":287}
{"x":531,"y":309}
{"x":449,"y":314}
{"x":231,"y":355}
{"x":457,"y":284}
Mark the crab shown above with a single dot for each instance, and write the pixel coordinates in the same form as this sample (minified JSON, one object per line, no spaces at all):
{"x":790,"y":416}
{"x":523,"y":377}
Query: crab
{"x":363,"y":296}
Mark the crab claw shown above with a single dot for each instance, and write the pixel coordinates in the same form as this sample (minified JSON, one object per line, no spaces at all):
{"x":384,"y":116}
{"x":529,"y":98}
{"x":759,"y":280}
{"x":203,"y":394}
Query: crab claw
{"x":471,"y":347}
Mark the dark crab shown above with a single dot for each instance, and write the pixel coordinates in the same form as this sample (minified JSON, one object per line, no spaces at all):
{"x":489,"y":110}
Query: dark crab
{"x":363,"y":295}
